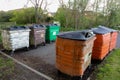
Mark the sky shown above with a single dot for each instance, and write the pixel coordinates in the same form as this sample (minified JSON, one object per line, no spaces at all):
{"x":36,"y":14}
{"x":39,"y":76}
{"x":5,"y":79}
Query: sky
{"x":6,"y":5}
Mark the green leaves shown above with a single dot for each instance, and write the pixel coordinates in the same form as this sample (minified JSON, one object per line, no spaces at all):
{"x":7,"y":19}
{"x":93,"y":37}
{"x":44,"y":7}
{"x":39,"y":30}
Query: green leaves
{"x":23,"y":16}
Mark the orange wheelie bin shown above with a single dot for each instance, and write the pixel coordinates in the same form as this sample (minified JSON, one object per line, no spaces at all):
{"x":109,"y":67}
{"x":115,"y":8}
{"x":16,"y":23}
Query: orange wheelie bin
{"x":73,"y":52}
{"x":113,"y":37}
{"x":101,"y":44}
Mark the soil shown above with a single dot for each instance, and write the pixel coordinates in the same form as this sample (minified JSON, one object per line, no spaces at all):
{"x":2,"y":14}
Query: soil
{"x":20,"y":73}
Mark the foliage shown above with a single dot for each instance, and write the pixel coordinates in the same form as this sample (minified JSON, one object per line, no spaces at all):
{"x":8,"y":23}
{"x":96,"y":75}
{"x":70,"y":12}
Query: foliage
{"x":78,"y":15}
{"x":60,"y":16}
{"x":5,"y":16}
{"x":23,"y":16}
{"x":111,"y":69}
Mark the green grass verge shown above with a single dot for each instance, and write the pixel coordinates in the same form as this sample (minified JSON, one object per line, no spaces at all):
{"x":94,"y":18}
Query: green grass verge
{"x":110,"y":70}
{"x":6,"y":67}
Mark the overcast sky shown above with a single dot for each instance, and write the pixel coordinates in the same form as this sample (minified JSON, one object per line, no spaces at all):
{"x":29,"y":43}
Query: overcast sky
{"x":6,"y":5}
{"x":16,"y":4}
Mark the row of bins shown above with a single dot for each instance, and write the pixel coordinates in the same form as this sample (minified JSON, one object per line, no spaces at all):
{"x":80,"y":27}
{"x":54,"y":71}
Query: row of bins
{"x":17,"y":37}
{"x":74,"y":50}
{"x":105,"y":41}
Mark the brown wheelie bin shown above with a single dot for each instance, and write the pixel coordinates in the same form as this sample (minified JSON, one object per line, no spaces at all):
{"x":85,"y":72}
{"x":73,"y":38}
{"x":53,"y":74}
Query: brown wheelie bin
{"x":73,"y":52}
{"x":101,"y":44}
{"x":37,"y":35}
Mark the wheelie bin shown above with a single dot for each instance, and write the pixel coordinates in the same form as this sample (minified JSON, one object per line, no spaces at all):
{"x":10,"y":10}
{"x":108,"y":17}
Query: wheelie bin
{"x":15,"y":37}
{"x":73,"y":52}
{"x":101,"y":44}
{"x":37,"y":35}
{"x":113,"y":37}
{"x":51,"y":31}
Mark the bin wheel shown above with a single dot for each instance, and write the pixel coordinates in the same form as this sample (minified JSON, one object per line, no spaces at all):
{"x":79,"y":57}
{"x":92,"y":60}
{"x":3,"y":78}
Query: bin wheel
{"x":76,"y":78}
{"x":35,"y":46}
{"x":12,"y":53}
{"x":44,"y":43}
{"x":89,"y":67}
{"x":59,"y":72}
{"x":49,"y":41}
{"x":27,"y":48}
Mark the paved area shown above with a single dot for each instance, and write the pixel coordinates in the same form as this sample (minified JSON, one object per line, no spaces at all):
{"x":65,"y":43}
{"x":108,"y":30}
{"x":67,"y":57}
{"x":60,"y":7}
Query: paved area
{"x":43,"y":59}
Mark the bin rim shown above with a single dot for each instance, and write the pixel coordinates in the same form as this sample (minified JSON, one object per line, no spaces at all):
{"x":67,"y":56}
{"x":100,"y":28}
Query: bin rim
{"x":72,"y":34}
{"x":14,"y":28}
{"x":100,"y":30}
{"x":37,"y":26}
{"x":52,"y":25}
{"x":109,"y":29}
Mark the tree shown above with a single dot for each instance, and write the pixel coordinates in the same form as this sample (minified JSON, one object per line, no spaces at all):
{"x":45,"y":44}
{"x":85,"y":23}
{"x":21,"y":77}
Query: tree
{"x":73,"y":12}
{"x":38,"y":4}
{"x":23,"y":16}
{"x":5,"y":16}
{"x":80,"y":14}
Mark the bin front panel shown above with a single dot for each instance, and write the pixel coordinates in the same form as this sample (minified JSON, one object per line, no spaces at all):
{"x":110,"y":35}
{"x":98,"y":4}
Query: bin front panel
{"x":37,"y":36}
{"x":113,"y":40}
{"x":101,"y":46}
{"x":16,"y":39}
{"x":51,"y":33}
{"x":72,"y":56}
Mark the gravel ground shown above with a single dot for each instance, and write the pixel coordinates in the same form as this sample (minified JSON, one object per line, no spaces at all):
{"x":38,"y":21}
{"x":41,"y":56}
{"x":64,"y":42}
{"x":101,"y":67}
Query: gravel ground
{"x":43,"y":60}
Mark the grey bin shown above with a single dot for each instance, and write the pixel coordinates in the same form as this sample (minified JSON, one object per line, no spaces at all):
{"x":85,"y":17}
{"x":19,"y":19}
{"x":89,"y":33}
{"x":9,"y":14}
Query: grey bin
{"x":15,"y":38}
{"x":37,"y":35}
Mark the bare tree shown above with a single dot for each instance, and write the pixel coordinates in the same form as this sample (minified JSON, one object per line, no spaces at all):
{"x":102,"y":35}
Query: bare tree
{"x":40,"y":6}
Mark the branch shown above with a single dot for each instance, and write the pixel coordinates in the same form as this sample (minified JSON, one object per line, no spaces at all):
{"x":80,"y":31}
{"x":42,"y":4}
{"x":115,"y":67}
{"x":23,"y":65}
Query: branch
{"x":32,"y":2}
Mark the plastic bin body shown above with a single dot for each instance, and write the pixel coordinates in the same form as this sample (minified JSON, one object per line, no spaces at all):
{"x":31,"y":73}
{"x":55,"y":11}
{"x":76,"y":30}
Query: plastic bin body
{"x":113,"y":40}
{"x":37,"y":36}
{"x":113,"y":37}
{"x":51,"y":32}
{"x":15,"y":39}
{"x":101,"y":44}
{"x":73,"y":56}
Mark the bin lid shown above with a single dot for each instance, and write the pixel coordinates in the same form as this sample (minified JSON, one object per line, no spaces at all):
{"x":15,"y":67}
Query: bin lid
{"x":17,"y":28}
{"x":77,"y":35}
{"x":100,"y":30}
{"x":37,"y":26}
{"x":52,"y":25}
{"x":109,"y":29}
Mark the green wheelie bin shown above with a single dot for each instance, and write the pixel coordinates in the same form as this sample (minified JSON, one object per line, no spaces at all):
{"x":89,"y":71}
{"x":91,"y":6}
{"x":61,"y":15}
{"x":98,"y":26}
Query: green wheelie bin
{"x":51,"y":31}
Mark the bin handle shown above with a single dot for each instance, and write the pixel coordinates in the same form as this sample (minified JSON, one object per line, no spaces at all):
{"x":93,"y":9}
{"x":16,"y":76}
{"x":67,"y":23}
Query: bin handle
{"x":90,"y":54}
{"x":88,"y":34}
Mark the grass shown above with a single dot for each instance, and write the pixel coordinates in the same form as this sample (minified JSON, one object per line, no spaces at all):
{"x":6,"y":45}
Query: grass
{"x":110,"y":70}
{"x":6,"y":67}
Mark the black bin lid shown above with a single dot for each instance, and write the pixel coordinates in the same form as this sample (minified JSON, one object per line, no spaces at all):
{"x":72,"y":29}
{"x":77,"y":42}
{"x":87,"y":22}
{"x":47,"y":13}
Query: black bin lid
{"x":109,"y":29}
{"x":78,"y":35}
{"x":51,"y":25}
{"x":37,"y":26}
{"x":17,"y":28}
{"x":100,"y":30}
